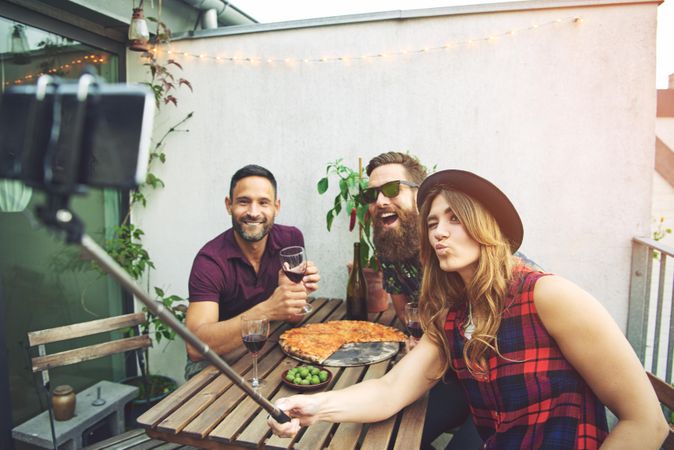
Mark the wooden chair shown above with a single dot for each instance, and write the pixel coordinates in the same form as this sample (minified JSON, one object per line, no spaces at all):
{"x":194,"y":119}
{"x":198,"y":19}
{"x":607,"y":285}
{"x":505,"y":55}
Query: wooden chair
{"x":37,"y":431}
{"x":665,"y":393}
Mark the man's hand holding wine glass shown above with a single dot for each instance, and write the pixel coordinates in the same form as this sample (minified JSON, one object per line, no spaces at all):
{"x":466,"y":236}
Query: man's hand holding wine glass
{"x":289,"y":299}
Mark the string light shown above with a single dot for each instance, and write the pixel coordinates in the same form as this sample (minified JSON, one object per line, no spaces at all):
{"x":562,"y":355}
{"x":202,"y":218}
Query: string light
{"x":87,"y":59}
{"x":491,"y":38}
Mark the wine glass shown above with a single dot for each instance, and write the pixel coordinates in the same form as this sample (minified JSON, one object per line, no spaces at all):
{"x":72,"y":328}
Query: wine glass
{"x":254,"y":332}
{"x":412,"y":322}
{"x":294,"y":265}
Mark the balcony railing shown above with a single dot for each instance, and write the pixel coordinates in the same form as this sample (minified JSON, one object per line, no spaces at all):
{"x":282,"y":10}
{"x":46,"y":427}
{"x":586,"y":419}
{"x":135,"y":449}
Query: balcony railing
{"x":650,"y":320}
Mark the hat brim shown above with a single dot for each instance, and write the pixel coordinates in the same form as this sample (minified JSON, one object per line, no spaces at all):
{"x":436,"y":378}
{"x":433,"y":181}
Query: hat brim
{"x":491,"y":197}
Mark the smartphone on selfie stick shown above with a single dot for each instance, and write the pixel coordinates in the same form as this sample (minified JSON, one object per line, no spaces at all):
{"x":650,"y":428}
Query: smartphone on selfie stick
{"x":61,"y":137}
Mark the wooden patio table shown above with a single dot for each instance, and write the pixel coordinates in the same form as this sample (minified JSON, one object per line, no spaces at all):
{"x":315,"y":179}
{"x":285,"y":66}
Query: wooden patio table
{"x":209,"y":412}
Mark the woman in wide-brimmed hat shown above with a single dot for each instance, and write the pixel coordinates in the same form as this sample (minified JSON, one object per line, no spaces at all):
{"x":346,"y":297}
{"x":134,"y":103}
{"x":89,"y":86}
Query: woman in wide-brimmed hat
{"x":537,"y":356}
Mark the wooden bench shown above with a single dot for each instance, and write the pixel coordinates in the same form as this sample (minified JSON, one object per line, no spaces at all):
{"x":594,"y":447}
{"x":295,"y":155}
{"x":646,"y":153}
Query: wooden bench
{"x":47,"y":433}
{"x":665,"y":393}
{"x":136,"y":440}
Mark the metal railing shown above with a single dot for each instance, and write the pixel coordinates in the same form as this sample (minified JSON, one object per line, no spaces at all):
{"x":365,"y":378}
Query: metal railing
{"x":650,"y":320}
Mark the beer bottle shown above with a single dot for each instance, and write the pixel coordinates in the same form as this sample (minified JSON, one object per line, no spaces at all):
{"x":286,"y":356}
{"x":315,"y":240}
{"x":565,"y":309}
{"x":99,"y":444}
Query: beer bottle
{"x":356,"y":289}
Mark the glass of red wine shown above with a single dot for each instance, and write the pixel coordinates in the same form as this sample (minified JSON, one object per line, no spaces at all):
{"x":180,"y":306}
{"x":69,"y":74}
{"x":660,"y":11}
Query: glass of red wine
{"x":294,"y":265}
{"x":254,"y":332}
{"x":412,"y":322}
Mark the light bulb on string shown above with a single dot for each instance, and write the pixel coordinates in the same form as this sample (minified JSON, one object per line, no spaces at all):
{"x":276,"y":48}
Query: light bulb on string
{"x":472,"y":42}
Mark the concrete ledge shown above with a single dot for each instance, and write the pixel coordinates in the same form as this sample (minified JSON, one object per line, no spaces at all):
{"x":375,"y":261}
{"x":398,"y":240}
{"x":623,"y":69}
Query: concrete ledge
{"x":37,"y":430}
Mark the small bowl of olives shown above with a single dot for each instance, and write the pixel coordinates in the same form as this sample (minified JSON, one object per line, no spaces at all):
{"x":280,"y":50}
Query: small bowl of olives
{"x":306,"y":377}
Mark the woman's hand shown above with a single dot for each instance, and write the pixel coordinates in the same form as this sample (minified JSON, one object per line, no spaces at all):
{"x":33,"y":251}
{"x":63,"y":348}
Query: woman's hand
{"x":301,"y":408}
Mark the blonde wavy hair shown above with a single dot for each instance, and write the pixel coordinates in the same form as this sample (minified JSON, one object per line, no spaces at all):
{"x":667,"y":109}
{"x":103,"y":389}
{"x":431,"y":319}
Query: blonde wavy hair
{"x":486,"y":292}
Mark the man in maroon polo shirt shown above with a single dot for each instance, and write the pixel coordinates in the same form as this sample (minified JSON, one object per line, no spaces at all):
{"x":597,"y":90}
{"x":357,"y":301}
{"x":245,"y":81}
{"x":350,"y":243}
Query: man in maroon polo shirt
{"x":240,"y":270}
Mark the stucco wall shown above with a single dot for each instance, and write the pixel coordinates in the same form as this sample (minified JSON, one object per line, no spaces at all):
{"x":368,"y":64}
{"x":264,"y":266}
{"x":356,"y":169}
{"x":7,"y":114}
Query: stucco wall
{"x":561,"y":117}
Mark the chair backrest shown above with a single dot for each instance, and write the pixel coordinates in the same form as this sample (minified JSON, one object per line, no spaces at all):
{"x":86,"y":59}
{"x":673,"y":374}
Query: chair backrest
{"x":44,"y":362}
{"x":665,"y":393}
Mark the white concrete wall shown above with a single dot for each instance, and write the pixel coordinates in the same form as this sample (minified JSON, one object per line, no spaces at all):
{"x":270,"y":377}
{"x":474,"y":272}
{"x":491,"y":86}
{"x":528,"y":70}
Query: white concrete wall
{"x":560,"y":117}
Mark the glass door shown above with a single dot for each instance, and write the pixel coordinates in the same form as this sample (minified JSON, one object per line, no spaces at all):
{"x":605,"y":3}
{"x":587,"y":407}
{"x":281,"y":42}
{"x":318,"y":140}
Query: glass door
{"x":45,"y":282}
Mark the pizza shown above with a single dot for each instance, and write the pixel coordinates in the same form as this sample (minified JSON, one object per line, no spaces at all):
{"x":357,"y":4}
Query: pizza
{"x":315,"y":342}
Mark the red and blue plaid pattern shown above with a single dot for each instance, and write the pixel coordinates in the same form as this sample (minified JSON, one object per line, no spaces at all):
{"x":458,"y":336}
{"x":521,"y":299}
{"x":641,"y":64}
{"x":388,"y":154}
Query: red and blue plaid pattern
{"x":531,"y":397}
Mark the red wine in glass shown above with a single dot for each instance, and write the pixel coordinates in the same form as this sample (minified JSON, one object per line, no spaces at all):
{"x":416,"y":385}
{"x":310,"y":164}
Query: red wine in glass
{"x":414,"y":329}
{"x":254,"y":342}
{"x":412,"y":322}
{"x":254,"y":333}
{"x":294,"y":265}
{"x":295,"y":274}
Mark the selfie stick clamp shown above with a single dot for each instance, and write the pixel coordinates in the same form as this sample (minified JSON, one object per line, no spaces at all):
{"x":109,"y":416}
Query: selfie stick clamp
{"x":57,"y":215}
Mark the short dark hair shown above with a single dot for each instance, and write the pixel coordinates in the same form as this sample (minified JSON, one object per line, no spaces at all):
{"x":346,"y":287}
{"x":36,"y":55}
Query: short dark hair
{"x":414,"y":168}
{"x":251,"y":170}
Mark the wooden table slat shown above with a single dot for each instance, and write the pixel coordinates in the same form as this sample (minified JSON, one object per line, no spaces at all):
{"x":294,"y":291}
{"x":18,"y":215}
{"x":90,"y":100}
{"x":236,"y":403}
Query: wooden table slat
{"x":412,"y":425}
{"x":347,"y":434}
{"x":193,"y":442}
{"x":211,"y":416}
{"x":315,"y":435}
{"x":256,"y":431}
{"x":238,"y":418}
{"x":169,"y":404}
{"x":379,"y":435}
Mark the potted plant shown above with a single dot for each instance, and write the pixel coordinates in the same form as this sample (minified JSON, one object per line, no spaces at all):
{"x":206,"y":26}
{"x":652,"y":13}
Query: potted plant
{"x":152,"y":388}
{"x":351,"y":183}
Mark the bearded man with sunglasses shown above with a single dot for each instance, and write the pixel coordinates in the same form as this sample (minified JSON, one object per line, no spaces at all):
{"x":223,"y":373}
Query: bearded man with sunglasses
{"x":393,"y":178}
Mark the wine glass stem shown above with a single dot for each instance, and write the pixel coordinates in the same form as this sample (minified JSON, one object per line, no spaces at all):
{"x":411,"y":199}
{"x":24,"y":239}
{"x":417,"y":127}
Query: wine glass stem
{"x":255,"y":380}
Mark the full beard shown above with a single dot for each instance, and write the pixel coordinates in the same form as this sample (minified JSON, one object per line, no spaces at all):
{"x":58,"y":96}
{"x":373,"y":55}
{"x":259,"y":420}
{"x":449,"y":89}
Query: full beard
{"x":398,"y":244}
{"x":252,"y":237}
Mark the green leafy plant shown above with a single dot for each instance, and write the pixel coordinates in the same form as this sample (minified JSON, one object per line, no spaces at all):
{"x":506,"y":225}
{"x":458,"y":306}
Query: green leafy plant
{"x":350,"y":184}
{"x":154,"y":326}
{"x":126,"y":245}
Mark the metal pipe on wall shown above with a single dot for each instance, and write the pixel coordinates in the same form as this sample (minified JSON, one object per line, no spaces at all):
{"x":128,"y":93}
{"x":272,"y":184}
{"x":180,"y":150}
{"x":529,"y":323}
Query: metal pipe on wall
{"x":226,"y":13}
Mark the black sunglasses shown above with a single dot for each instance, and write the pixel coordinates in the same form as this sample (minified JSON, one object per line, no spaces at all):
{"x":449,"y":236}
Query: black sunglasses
{"x":390,"y":190}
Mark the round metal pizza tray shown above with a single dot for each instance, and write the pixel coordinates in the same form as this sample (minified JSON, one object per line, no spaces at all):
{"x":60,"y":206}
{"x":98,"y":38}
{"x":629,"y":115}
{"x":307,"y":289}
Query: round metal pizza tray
{"x":358,"y":354}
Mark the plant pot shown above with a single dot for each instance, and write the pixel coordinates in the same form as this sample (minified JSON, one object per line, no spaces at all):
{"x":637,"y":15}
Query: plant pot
{"x":160,"y":387}
{"x":377,"y":297}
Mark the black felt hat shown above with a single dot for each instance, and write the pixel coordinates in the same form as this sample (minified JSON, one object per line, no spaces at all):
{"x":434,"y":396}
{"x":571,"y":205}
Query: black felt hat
{"x":484,"y":192}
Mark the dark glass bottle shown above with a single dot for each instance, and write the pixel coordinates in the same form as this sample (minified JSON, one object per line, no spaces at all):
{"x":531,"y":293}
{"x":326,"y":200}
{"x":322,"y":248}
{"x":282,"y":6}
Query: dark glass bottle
{"x":356,"y":289}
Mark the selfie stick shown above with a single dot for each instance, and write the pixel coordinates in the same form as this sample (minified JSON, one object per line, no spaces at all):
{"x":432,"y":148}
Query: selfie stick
{"x":56,"y":214}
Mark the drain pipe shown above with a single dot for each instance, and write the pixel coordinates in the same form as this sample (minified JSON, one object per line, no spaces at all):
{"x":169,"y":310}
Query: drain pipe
{"x":209,"y":19}
{"x":219,"y":12}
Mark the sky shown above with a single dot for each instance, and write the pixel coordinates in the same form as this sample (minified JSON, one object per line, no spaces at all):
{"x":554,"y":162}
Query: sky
{"x":266,"y":11}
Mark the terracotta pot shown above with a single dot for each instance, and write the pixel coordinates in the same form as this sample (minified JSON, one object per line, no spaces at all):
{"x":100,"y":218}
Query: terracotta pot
{"x":63,"y":402}
{"x":377,"y":297}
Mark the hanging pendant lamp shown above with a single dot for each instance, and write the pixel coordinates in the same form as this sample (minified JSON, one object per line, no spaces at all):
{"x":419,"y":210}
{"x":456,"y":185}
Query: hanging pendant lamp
{"x":139,"y":34}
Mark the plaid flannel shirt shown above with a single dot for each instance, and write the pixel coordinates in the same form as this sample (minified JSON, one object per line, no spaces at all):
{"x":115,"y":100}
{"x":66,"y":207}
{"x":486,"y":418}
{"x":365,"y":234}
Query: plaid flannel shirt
{"x":531,"y":397}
